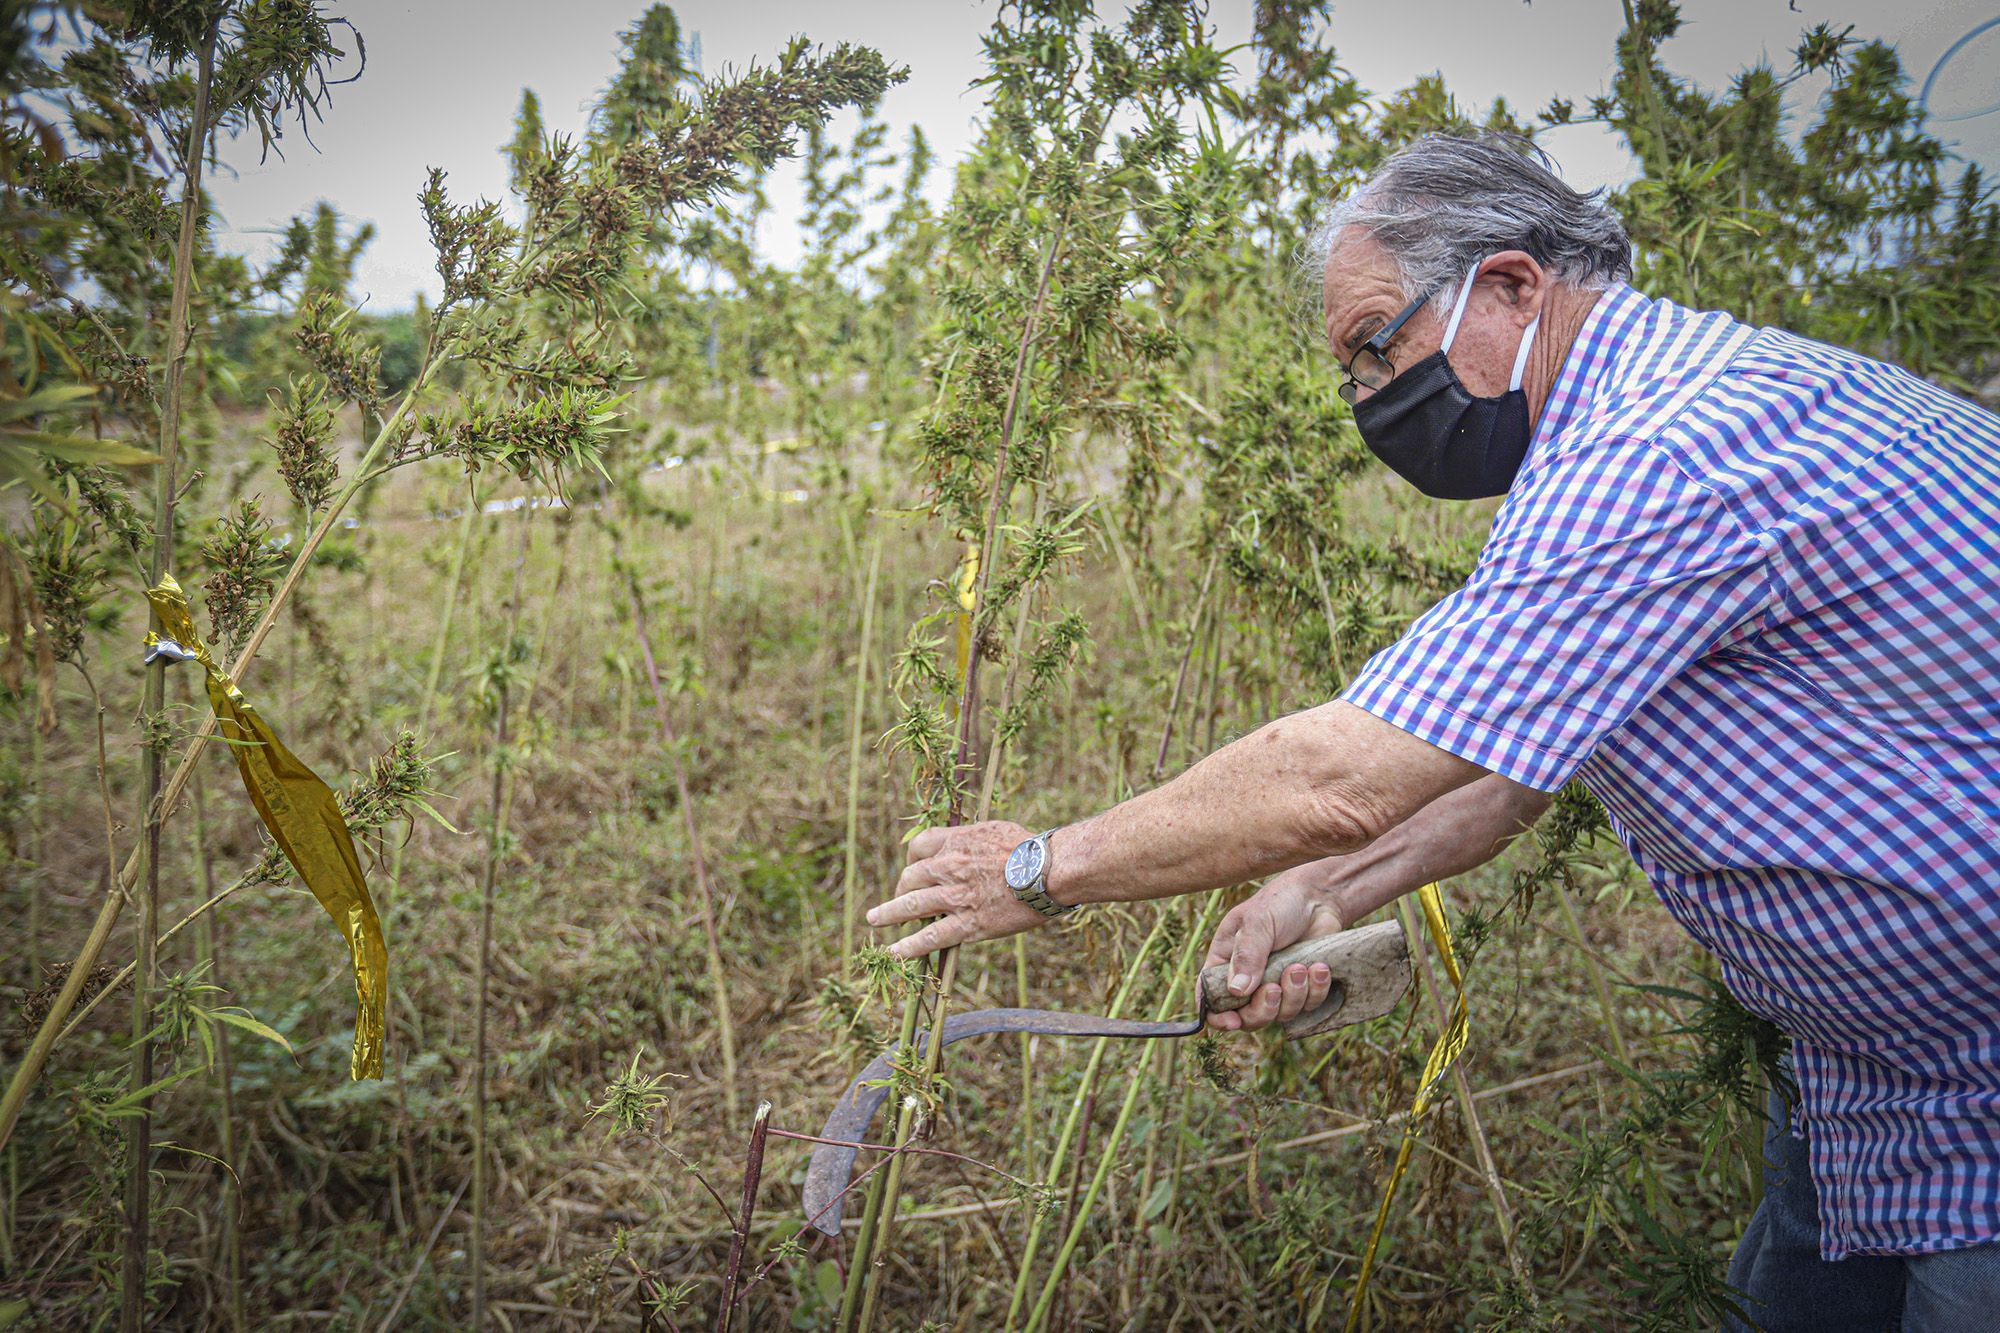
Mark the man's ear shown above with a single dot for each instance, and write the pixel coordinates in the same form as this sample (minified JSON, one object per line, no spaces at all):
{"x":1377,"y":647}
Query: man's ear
{"x":1519,"y":281}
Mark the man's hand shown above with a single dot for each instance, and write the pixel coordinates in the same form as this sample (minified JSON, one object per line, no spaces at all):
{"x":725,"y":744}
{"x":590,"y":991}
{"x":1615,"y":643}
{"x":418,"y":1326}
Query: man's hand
{"x":959,"y":876}
{"x":1290,"y":907}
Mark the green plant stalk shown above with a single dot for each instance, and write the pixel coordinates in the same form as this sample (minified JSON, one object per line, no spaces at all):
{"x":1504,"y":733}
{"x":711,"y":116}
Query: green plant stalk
{"x":1649,"y":93}
{"x":37,"y":786}
{"x":945,"y":968}
{"x":139,"y":1149}
{"x":499,"y":806}
{"x":10,"y":1209}
{"x":983,"y":811}
{"x":1648,"y":1178}
{"x":849,"y":876}
{"x":670,"y":742}
{"x":207,"y":950}
{"x":1180,"y":674}
{"x":906,"y":1125}
{"x":1131,"y":576}
{"x":1024,"y":600}
{"x":1025,"y":1135}
{"x":1084,"y":1087}
{"x":124,"y":974}
{"x":435,"y":673}
{"x":29,"y":1070}
{"x":496,"y":810}
{"x":820,"y":674}
{"x":1023,"y":603}
{"x":1503,"y":1214}
{"x":1597,"y":982}
{"x":1178,"y":981}
{"x":1180,"y":1141}
{"x":871,"y":1214}
{"x":1083,"y":1146}
{"x":1204,"y":630}
{"x":1164,"y":1058}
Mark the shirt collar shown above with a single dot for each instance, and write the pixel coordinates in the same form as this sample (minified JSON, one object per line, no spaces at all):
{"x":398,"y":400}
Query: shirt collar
{"x":1592,"y":357}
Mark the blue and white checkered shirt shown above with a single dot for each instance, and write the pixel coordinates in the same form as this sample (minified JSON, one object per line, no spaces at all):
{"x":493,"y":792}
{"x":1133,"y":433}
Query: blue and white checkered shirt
{"x":1747,"y":588}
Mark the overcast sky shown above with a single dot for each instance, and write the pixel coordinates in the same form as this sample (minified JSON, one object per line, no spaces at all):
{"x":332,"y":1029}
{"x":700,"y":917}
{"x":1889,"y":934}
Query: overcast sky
{"x":444,"y":78}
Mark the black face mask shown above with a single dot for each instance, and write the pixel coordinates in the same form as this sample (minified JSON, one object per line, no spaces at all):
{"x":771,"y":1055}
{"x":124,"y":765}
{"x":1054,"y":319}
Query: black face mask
{"x":1445,"y":441}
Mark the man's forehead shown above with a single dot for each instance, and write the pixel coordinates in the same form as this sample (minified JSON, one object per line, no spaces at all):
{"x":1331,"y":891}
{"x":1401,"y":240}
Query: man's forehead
{"x":1357,"y":267}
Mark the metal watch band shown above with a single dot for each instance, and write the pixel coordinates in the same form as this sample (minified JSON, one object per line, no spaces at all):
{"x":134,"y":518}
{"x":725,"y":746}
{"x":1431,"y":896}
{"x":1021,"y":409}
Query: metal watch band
{"x":1036,"y":895}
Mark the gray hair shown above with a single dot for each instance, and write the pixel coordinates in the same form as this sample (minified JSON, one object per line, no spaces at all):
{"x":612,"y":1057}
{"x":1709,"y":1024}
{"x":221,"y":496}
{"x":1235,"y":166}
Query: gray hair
{"x":1443,"y":203}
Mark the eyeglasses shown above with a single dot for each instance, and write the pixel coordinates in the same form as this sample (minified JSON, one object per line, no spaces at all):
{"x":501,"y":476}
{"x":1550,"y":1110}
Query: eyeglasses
{"x":1371,"y":367}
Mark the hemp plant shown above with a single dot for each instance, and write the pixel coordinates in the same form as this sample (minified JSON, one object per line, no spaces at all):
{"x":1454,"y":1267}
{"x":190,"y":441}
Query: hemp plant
{"x":176,"y":75}
{"x":1057,"y":227}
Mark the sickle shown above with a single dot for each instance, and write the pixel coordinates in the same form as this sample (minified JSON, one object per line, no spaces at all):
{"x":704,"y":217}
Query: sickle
{"x":1371,"y":971}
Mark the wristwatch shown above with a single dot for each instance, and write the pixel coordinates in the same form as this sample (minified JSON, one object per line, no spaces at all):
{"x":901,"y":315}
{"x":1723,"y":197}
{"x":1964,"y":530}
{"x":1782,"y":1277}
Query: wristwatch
{"x":1028,"y":876}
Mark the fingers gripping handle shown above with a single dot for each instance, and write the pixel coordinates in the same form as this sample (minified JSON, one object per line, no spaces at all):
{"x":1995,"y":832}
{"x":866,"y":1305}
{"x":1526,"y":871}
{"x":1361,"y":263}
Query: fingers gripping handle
{"x":1371,"y":972}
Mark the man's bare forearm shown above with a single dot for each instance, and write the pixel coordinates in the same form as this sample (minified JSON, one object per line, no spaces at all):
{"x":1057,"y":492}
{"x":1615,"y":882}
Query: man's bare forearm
{"x":1322,"y":782}
{"x":1457,"y":832}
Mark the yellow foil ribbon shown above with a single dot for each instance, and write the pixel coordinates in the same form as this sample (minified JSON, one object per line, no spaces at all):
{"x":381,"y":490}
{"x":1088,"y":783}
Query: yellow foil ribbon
{"x":963,"y":584}
{"x":304,"y":820}
{"x":1450,"y":1045}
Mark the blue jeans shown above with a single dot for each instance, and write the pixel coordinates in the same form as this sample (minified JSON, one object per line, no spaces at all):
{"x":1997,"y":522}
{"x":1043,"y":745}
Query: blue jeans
{"x":1788,"y":1288}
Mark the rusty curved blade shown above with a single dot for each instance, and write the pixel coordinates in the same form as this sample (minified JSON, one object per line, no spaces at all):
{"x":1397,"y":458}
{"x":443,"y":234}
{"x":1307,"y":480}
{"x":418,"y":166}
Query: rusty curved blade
{"x":832,"y":1164}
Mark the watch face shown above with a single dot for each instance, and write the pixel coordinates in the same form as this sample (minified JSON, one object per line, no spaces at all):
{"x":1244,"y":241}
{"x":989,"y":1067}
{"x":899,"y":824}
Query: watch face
{"x":1024,"y":867}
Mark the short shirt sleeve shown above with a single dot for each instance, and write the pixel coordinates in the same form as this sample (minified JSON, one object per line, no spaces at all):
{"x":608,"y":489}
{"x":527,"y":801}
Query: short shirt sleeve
{"x":1608,"y":572}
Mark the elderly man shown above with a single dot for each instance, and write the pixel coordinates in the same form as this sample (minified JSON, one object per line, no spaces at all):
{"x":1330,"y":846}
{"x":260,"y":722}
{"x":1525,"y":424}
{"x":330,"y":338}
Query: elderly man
{"x":1746,"y":587}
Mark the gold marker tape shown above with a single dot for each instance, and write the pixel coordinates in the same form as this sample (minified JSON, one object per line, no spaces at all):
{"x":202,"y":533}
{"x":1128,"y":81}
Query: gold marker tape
{"x":962,"y":588}
{"x":1450,"y":1044}
{"x":302,"y":815}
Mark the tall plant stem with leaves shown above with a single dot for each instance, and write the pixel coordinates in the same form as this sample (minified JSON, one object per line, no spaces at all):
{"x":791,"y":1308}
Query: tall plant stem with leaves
{"x":496,"y":802}
{"x":499,"y":682}
{"x":444,"y":346}
{"x":996,"y":503}
{"x":434,"y":674}
{"x":1649,"y":90}
{"x":208,"y":950}
{"x":943,"y":967}
{"x":677,"y":764}
{"x":1180,"y":674}
{"x":1598,"y":985}
{"x":1107,"y":1156}
{"x":139,"y":1152}
{"x":849,"y":871}
{"x":866,"y":1243}
{"x":1085,"y":1089}
{"x":985,"y":811}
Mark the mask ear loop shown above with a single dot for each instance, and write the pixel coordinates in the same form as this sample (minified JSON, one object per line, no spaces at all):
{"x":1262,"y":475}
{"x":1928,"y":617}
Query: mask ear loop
{"x":1458,"y":307}
{"x":1521,"y":356}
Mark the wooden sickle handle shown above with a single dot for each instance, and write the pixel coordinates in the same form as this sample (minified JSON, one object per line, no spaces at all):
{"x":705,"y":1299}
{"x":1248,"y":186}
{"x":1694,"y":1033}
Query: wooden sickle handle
{"x":1371,"y":971}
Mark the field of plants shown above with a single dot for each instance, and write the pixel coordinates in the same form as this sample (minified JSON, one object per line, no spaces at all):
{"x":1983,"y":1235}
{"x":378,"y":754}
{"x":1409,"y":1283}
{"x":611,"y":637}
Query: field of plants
{"x":638,"y":598}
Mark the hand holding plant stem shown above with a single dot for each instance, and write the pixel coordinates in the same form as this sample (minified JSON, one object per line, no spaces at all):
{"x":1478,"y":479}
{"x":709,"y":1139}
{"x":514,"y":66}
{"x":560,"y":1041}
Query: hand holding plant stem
{"x":958,"y":875}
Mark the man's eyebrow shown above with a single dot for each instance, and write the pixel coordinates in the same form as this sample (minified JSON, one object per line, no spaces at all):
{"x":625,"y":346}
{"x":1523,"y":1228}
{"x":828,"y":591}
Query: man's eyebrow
{"x":1359,"y":331}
